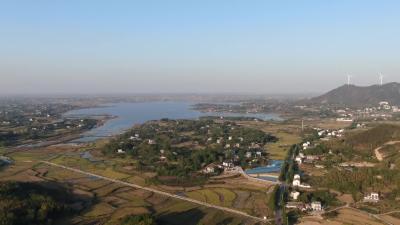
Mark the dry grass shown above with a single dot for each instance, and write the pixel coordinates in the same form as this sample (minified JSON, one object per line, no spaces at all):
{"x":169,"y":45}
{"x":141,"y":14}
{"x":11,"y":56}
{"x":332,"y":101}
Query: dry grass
{"x":288,"y":134}
{"x":100,"y":209}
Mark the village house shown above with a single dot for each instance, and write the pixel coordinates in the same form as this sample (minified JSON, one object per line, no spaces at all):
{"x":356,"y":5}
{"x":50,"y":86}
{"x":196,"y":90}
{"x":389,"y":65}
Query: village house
{"x":296,"y":180}
{"x":134,"y":138}
{"x":371,"y":197}
{"x":296,"y":205}
{"x":227,"y":164}
{"x":312,"y":157}
{"x":152,"y":142}
{"x":248,"y":154}
{"x":210,"y":168}
{"x":120,"y":151}
{"x":294,"y":195}
{"x":298,"y":160}
{"x":316,"y":206}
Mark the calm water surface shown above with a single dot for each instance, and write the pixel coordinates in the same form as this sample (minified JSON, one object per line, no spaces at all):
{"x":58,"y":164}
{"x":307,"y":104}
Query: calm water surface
{"x":129,"y":114}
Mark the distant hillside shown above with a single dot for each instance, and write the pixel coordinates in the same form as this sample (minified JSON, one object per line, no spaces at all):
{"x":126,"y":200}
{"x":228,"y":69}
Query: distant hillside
{"x":375,"y":136}
{"x":355,"y":96}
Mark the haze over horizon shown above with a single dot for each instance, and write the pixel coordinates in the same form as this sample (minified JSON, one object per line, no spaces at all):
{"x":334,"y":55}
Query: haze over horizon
{"x":263,"y":47}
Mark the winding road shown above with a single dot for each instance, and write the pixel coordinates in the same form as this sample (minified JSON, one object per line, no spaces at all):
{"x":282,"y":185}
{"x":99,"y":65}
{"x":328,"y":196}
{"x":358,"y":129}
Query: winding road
{"x":225,"y":209}
{"x":378,"y":154}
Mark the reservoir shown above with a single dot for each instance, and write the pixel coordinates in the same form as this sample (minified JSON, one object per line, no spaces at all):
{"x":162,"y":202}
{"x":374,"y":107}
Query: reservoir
{"x":128,"y":114}
{"x":269,"y":172}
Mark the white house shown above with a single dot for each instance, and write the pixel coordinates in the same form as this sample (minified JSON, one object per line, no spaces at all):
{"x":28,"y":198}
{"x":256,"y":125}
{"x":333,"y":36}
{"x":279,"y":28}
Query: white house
{"x":316,"y":206}
{"x":294,"y":195}
{"x":120,"y":151}
{"x":248,"y":154}
{"x":230,"y":138}
{"x":152,"y":142}
{"x":296,"y":180}
{"x":296,"y":183}
{"x":227,"y":164}
{"x":306,"y":144}
{"x":298,"y":159}
{"x":372,"y":197}
{"x":296,"y":205}
{"x":210,"y":168}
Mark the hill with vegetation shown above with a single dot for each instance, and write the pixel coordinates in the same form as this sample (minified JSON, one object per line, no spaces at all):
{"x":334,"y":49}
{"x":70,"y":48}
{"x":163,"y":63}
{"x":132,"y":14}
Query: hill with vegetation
{"x":374,"y":137}
{"x":357,"y":96}
{"x":351,"y":166}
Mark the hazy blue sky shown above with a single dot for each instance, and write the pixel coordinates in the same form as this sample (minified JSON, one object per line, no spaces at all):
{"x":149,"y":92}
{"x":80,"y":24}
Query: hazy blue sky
{"x":83,"y":46}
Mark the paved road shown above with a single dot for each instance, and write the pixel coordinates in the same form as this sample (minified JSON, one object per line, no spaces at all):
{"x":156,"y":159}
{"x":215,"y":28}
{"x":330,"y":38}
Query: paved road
{"x":160,"y":192}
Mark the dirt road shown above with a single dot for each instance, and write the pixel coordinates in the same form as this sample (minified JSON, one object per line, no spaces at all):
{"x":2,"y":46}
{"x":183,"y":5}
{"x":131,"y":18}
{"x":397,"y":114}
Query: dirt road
{"x":378,"y":154}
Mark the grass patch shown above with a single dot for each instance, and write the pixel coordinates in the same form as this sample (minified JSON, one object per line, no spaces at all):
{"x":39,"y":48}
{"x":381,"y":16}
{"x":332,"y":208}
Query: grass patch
{"x":226,"y":196}
{"x":278,"y":150}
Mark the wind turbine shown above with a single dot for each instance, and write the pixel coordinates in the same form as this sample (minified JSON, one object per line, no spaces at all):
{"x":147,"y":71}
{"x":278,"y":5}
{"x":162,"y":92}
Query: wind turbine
{"x":381,"y":78}
{"x":349,"y":79}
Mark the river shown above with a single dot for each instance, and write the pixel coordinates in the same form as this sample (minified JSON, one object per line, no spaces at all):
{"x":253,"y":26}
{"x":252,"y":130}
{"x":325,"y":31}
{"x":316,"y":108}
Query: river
{"x":128,"y":114}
